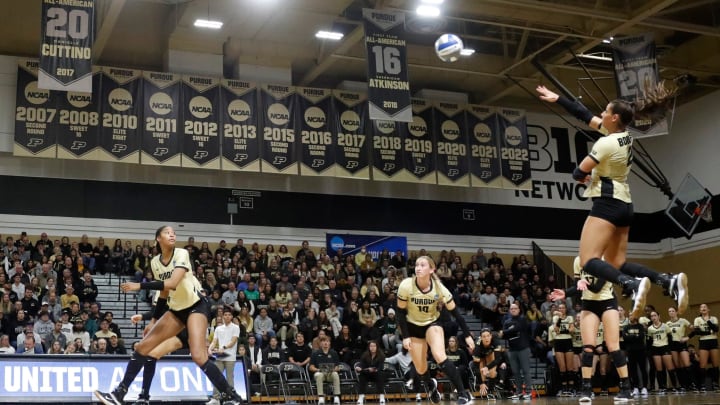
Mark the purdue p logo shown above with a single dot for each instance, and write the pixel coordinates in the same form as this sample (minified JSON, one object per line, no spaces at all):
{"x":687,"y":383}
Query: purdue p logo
{"x":200,"y":154}
{"x":160,"y":152}
{"x":239,"y":157}
{"x":78,"y":145}
{"x":279,"y":160}
{"x":420,"y":170}
{"x":318,"y":163}
{"x":453,"y":172}
{"x":388,"y":167}
{"x":33,"y":142}
{"x":119,"y":148}
{"x":352,"y":164}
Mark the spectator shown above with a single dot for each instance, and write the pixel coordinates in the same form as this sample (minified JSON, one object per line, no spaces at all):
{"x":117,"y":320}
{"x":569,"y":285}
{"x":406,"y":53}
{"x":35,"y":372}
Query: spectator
{"x":263,"y":328}
{"x":115,"y":346}
{"x":29,"y":346}
{"x":79,"y":333}
{"x":5,"y":347}
{"x":101,"y":254}
{"x":55,"y":335}
{"x":69,"y":297}
{"x":224,"y":347}
{"x":324,"y":366}
{"x":104,"y":332}
{"x":88,"y":290}
{"x":85,"y":249}
{"x":299,"y":352}
{"x":99,"y":346}
{"x":488,"y":306}
{"x":273,"y":354}
{"x":517,"y":331}
{"x":56,"y":348}
{"x":370,"y":368}
{"x":459,"y":357}
{"x":255,"y":354}
{"x":18,"y":287}
{"x":46,"y":272}
{"x":112,"y":325}
{"x":43,"y":326}
{"x":30,"y":304}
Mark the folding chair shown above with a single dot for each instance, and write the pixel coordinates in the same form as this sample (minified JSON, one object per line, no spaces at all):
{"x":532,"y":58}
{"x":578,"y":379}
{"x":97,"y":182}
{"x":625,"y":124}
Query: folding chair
{"x":270,"y":380}
{"x":293,"y":381}
{"x":442,"y":381}
{"x":394,"y":382}
{"x":348,"y":380}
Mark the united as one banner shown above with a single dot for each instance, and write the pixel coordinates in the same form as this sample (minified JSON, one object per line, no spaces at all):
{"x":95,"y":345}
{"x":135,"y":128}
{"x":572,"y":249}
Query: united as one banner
{"x":121,"y":107}
{"x":636,"y":71}
{"x":388,"y":84}
{"x":36,"y":118}
{"x":67,"y":36}
{"x":352,"y":135}
{"x":452,"y":144}
{"x":278,"y":146}
{"x":200,"y":140}
{"x":161,"y":99}
{"x":514,"y":152}
{"x":79,"y":122}
{"x":241,"y":142}
{"x":485,"y":165}
{"x":419,"y":144}
{"x":317,"y":152}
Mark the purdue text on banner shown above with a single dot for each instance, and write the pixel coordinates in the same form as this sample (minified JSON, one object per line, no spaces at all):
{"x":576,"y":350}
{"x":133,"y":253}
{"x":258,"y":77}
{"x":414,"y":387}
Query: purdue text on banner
{"x":68,"y":31}
{"x":388,"y":84}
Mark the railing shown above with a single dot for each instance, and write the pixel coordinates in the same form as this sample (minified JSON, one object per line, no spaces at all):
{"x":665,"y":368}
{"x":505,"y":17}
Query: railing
{"x":547,"y":266}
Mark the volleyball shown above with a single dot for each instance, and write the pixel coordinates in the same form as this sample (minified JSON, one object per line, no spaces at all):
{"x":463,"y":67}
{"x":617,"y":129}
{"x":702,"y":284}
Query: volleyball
{"x":448,"y":47}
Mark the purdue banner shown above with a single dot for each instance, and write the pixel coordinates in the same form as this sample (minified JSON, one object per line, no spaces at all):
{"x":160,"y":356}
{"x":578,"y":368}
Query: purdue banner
{"x":278,"y":146}
{"x":388,"y":84}
{"x":121,"y":108}
{"x":514,"y":153}
{"x":418,"y":144}
{"x":161,"y":98}
{"x":240,"y":143}
{"x":636,"y":70}
{"x":352,"y":135}
{"x":452,"y":144}
{"x":36,"y":118}
{"x":317,"y":149}
{"x":387,"y":152}
{"x":67,"y":36}
{"x":200,"y":142}
{"x":79,"y":119}
{"x":485,"y":164}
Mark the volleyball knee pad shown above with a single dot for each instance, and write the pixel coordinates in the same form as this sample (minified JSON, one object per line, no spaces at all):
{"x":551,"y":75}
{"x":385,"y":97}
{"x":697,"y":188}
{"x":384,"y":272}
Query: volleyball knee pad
{"x":586,"y":359}
{"x":618,"y":358}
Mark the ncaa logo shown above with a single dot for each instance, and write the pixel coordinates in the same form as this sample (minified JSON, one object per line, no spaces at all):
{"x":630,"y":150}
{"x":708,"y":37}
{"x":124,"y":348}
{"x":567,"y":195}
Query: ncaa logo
{"x":482,"y":132}
{"x":315,"y":117}
{"x":200,"y":107}
{"x":161,"y":103}
{"x":79,"y":100}
{"x":350,"y":120}
{"x":278,"y":114}
{"x":513,"y":136}
{"x":337,"y":243}
{"x":35,"y":95}
{"x":120,"y":100}
{"x":450,"y":130}
{"x":385,"y":127}
{"x":239,"y":110}
{"x":418,"y":127}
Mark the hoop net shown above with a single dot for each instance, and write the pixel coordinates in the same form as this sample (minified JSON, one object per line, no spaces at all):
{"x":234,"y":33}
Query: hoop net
{"x":704,"y":211}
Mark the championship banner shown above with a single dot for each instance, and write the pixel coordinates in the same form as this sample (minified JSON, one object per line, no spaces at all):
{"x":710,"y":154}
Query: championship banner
{"x":452,"y":144}
{"x":200,"y":142}
{"x":636,"y":70}
{"x":388,"y":84}
{"x":278,"y":147}
{"x":121,"y":108}
{"x":67,"y":36}
{"x":483,"y":139}
{"x":159,"y":139}
{"x":240,"y":142}
{"x":79,"y":122}
{"x":514,"y":152}
{"x":36,"y":118}
{"x":317,"y":149}
{"x":418,"y":144}
{"x":352,"y":135}
{"x":374,"y":244}
{"x":387,"y":152}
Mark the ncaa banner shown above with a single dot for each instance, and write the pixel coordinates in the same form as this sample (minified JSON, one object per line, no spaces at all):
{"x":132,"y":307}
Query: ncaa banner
{"x":349,"y":244}
{"x":240,"y":142}
{"x":352,"y":156}
{"x":452,"y":144}
{"x":67,"y":36}
{"x":121,"y":108}
{"x":278,"y":147}
{"x":36,"y":118}
{"x":387,"y":152}
{"x":159,"y":140}
{"x":200,"y":142}
{"x":79,"y":119}
{"x":418,"y":144}
{"x":514,"y":152}
{"x":388,"y":84}
{"x":484,"y":138}
{"x":315,"y":114}
{"x":636,"y":70}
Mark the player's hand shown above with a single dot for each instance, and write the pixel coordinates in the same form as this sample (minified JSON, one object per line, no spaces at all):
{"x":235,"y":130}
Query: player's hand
{"x":557,"y":294}
{"x":406,"y":343}
{"x":582,"y":285}
{"x":136,"y":318}
{"x":127,"y":287}
{"x":470,"y":341}
{"x":483,"y":389}
{"x":546,"y":95}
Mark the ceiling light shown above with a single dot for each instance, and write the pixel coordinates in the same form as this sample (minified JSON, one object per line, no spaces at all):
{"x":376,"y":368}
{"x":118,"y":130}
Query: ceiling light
{"x":428,"y":11}
{"x":596,"y":56}
{"x":335,"y":36}
{"x":208,"y":24}
{"x":608,"y":40}
{"x":467,"y":52}
{"x":438,"y":2}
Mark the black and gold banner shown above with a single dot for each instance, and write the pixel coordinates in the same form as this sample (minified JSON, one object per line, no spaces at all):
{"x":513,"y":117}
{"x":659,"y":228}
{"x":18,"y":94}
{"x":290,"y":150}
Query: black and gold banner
{"x":387,"y":151}
{"x":200,"y":117}
{"x":419,"y":144}
{"x":484,"y":143}
{"x":315,"y":116}
{"x":161,"y":101}
{"x":514,"y":153}
{"x":67,"y":36}
{"x":279,"y":146}
{"x":36,"y":118}
{"x":121,"y":107}
{"x":79,"y":122}
{"x":240,"y":140}
{"x":452,"y":144}
{"x":352,"y":135}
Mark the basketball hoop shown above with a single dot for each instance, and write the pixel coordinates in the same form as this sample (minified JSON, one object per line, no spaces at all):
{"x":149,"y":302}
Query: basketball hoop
{"x":705,"y":212}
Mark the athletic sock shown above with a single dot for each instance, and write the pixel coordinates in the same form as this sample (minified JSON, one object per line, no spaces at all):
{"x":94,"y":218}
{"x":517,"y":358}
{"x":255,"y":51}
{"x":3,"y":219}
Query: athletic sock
{"x":604,"y":270}
{"x":448,"y":367}
{"x":216,"y":377}
{"x":148,"y":373}
{"x":640,"y":271}
{"x":137,"y":361}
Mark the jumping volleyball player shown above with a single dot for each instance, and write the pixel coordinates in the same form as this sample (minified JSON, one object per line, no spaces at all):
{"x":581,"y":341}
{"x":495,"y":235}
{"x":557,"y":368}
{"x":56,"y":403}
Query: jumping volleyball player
{"x":186,"y":308}
{"x":417,"y":316}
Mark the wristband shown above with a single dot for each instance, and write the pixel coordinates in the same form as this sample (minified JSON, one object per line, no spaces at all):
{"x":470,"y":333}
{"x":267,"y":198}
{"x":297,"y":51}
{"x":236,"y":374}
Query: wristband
{"x":578,"y":174}
{"x":576,"y":109}
{"x":153,"y":285}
